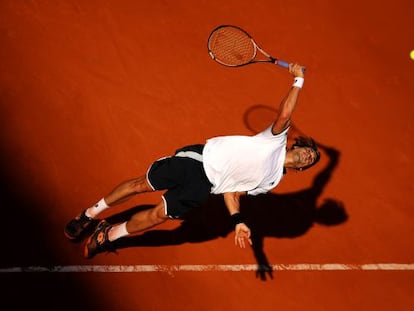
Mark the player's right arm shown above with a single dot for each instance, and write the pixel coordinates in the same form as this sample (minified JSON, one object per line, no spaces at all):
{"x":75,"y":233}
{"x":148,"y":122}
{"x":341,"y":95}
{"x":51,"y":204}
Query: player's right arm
{"x":288,"y":104}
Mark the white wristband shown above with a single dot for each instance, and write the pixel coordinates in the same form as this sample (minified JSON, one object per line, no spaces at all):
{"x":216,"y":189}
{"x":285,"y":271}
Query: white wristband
{"x":298,"y":82}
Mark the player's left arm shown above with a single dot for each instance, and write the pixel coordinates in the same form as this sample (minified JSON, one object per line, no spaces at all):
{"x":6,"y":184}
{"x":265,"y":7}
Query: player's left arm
{"x":242,"y":231}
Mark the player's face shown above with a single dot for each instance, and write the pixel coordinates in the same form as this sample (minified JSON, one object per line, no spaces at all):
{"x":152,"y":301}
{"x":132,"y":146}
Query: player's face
{"x":303,"y":156}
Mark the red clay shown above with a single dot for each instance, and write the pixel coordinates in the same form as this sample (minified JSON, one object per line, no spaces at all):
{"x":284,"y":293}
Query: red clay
{"x":92,"y":92}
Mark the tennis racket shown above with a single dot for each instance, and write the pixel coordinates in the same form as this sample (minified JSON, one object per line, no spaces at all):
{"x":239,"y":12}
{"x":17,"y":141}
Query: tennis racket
{"x":232,"y":46}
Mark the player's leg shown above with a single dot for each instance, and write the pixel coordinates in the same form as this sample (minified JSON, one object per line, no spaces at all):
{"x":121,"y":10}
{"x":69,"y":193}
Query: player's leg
{"x":126,"y":190}
{"x":121,"y":193}
{"x":101,"y":240}
{"x":146,"y":219}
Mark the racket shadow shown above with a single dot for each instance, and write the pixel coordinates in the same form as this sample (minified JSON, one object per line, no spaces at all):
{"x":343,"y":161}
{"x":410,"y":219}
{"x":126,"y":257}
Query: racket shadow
{"x":269,"y":215}
{"x":259,"y":117}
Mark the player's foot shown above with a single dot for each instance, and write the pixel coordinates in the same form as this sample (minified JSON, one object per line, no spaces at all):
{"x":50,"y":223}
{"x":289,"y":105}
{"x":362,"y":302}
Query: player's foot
{"x":78,"y":225}
{"x":98,"y":242}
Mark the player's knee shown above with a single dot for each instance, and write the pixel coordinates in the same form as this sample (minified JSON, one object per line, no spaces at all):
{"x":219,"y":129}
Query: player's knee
{"x":158,"y":214}
{"x":140,"y":184}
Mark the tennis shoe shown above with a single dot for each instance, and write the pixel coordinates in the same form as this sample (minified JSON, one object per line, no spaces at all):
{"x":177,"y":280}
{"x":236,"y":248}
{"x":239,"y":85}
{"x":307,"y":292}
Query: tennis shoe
{"x":78,"y":225}
{"x":98,"y":242}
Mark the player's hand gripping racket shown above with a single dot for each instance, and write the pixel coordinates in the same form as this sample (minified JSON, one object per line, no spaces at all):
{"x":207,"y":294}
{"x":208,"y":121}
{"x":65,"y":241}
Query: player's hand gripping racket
{"x":232,"y":46}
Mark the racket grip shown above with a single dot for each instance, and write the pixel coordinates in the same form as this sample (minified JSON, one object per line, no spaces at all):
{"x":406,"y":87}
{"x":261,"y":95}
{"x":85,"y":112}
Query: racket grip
{"x":284,"y":64}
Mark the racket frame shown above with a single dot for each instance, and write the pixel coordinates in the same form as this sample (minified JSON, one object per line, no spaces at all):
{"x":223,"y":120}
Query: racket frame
{"x":270,"y":59}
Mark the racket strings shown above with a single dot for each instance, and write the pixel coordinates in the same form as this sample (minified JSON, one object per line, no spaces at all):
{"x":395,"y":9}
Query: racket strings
{"x":231,"y":46}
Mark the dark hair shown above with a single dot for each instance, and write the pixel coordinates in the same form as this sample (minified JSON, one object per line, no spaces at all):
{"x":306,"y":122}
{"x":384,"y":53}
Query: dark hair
{"x":302,"y":141}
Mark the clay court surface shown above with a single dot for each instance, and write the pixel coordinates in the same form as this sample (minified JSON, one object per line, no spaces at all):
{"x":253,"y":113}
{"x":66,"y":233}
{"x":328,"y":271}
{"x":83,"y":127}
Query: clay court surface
{"x":91,"y":92}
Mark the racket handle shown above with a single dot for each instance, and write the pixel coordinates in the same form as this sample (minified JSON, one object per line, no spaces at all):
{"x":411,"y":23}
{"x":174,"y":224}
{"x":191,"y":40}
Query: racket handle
{"x":284,"y":64}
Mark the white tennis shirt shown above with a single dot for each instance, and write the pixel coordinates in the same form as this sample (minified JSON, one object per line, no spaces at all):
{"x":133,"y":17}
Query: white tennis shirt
{"x":245,"y":163}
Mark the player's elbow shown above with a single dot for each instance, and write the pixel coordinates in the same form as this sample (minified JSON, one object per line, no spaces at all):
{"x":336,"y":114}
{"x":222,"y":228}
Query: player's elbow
{"x":284,"y":117}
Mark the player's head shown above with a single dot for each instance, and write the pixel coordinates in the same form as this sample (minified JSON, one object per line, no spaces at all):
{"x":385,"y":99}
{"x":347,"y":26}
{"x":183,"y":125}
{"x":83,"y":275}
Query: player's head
{"x":306,"y":151}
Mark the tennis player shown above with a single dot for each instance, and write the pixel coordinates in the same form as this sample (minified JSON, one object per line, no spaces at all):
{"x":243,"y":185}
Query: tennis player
{"x":231,"y":166}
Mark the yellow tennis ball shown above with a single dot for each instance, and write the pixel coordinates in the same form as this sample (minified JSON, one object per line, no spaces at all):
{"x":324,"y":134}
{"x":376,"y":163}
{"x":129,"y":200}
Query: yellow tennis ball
{"x":412,"y":54}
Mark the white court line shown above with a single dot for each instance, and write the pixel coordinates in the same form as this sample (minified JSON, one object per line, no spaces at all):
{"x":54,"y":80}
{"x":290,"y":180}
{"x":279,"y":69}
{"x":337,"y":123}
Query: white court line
{"x":213,"y":268}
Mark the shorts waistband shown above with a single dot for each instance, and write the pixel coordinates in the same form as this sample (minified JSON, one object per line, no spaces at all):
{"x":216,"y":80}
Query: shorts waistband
{"x":193,"y":152}
{"x":190,"y":154}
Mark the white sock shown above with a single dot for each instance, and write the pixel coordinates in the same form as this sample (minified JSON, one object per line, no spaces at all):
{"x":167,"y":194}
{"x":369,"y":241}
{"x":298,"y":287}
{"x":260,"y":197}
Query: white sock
{"x":98,"y":208}
{"x":117,"y":231}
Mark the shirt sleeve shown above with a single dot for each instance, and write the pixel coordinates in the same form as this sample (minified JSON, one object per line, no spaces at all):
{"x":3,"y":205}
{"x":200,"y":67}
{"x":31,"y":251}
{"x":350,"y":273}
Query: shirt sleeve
{"x":268,"y":132}
{"x":257,"y":191}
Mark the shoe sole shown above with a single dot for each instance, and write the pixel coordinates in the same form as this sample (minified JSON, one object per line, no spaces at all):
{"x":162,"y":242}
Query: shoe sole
{"x":86,"y":249}
{"x":70,"y":237}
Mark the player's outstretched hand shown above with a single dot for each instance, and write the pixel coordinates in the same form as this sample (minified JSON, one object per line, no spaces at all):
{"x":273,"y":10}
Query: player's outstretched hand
{"x":242,"y":234}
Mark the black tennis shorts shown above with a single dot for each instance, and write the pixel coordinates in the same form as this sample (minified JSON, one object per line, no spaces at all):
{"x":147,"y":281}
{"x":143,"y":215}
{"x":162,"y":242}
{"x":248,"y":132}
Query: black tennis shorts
{"x":184,"y":179}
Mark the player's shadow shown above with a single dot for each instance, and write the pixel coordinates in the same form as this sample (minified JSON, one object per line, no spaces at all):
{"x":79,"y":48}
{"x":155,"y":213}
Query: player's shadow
{"x":293,"y":214}
{"x":268,"y":215}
